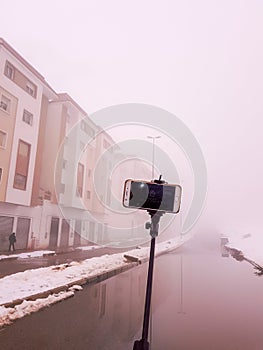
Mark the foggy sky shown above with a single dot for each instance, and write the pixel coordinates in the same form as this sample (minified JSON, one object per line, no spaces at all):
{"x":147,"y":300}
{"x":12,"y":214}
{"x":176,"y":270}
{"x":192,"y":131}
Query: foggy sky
{"x":201,"y":60}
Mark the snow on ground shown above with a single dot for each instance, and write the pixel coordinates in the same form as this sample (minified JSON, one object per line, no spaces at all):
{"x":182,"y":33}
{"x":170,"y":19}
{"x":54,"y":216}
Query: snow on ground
{"x":8,"y":314}
{"x":5,"y":257}
{"x":35,"y":254}
{"x":90,"y":247}
{"x":23,"y":285}
{"x":251,"y":247}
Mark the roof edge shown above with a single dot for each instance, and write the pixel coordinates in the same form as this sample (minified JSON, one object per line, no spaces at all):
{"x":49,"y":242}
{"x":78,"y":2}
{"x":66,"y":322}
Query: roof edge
{"x":24,"y":62}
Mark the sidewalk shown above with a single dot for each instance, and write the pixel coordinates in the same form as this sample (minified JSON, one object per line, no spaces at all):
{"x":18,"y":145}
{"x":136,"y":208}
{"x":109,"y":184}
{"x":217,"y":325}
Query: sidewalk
{"x":29,"y":291}
{"x":25,"y":253}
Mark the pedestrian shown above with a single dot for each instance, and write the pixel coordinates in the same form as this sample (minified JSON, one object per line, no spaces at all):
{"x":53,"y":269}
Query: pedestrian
{"x":12,"y":240}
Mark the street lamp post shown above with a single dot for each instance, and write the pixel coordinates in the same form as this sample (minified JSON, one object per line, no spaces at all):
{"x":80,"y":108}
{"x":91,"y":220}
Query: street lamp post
{"x":153,"y":154}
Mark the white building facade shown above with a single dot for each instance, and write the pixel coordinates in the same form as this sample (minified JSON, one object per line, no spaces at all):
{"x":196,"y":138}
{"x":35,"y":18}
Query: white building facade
{"x":61,"y":175}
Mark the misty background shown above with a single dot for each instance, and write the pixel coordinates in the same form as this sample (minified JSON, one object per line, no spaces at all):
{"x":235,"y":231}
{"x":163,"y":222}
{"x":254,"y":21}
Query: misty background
{"x":201,"y":61}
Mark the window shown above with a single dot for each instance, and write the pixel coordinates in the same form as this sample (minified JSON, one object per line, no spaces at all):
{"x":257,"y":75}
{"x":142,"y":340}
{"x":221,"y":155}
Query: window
{"x":27,"y":117}
{"x":5,"y":104}
{"x":88,"y":194}
{"x":20,"y":79}
{"x":31,"y":88}
{"x":22,"y":164}
{"x":80,"y":177}
{"x":1,"y":173}
{"x":47,"y":195}
{"x":64,"y":163}
{"x":9,"y":70}
{"x":3,"y":137}
{"x":85,"y":127}
{"x":89,"y":173}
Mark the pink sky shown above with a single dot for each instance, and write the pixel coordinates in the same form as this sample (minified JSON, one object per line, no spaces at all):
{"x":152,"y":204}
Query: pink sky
{"x":202,"y":61}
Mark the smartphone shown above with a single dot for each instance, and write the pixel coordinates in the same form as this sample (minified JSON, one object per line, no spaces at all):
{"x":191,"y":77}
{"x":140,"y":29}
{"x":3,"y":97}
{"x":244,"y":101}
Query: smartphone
{"x":152,"y":196}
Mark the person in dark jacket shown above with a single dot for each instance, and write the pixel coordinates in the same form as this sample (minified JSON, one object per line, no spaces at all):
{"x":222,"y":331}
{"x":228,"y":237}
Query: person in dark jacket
{"x":12,"y":240}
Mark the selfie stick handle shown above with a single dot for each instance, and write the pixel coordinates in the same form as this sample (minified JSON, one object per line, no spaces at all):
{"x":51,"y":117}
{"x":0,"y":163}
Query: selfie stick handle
{"x":148,"y":295}
{"x":143,"y":344}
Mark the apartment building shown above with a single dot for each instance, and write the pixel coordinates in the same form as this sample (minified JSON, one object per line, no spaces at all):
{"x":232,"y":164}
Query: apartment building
{"x":22,"y":94}
{"x":61,"y":175}
{"x":63,"y":184}
{"x":49,"y":148}
{"x":23,"y":90}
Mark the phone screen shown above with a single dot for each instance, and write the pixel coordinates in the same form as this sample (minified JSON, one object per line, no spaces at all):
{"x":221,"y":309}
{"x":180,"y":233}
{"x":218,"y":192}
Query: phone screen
{"x":147,"y":195}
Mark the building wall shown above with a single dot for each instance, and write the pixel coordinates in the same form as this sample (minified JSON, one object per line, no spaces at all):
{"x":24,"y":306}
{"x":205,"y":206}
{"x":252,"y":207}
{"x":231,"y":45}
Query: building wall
{"x":22,"y":131}
{"x":53,"y":135}
{"x":36,"y":198}
{"x":7,"y":125}
{"x":82,"y":151}
{"x":14,"y":213}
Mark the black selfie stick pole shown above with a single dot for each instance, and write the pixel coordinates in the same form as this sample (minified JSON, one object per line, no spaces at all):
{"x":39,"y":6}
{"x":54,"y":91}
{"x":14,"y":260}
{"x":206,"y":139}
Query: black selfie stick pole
{"x":143,"y":344}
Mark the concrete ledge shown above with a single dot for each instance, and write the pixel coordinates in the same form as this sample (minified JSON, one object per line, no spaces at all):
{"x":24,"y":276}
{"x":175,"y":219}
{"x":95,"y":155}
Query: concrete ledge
{"x":83,"y":281}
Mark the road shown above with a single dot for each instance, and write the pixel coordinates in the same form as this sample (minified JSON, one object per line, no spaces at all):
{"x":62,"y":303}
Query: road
{"x":201,"y":301}
{"x":8,"y":267}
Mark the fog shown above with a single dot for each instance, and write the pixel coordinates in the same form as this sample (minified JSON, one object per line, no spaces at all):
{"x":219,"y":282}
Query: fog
{"x":201,"y":61}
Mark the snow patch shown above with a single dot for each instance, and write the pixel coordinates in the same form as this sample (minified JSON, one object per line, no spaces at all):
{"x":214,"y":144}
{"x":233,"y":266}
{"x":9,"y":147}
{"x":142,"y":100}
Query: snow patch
{"x":6,"y":257}
{"x":250,"y":246}
{"x":8,"y":315}
{"x":24,"y":285}
{"x":90,"y":247}
{"x":27,"y":255}
{"x":76,"y":288}
{"x":36,"y":254}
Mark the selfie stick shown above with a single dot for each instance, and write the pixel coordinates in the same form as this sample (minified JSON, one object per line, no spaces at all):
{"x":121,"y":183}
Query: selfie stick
{"x":155,"y":215}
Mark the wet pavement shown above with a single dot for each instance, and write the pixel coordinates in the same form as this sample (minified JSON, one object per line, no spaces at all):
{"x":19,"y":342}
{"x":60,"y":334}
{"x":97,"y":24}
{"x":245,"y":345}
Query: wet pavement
{"x":203,"y":299}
